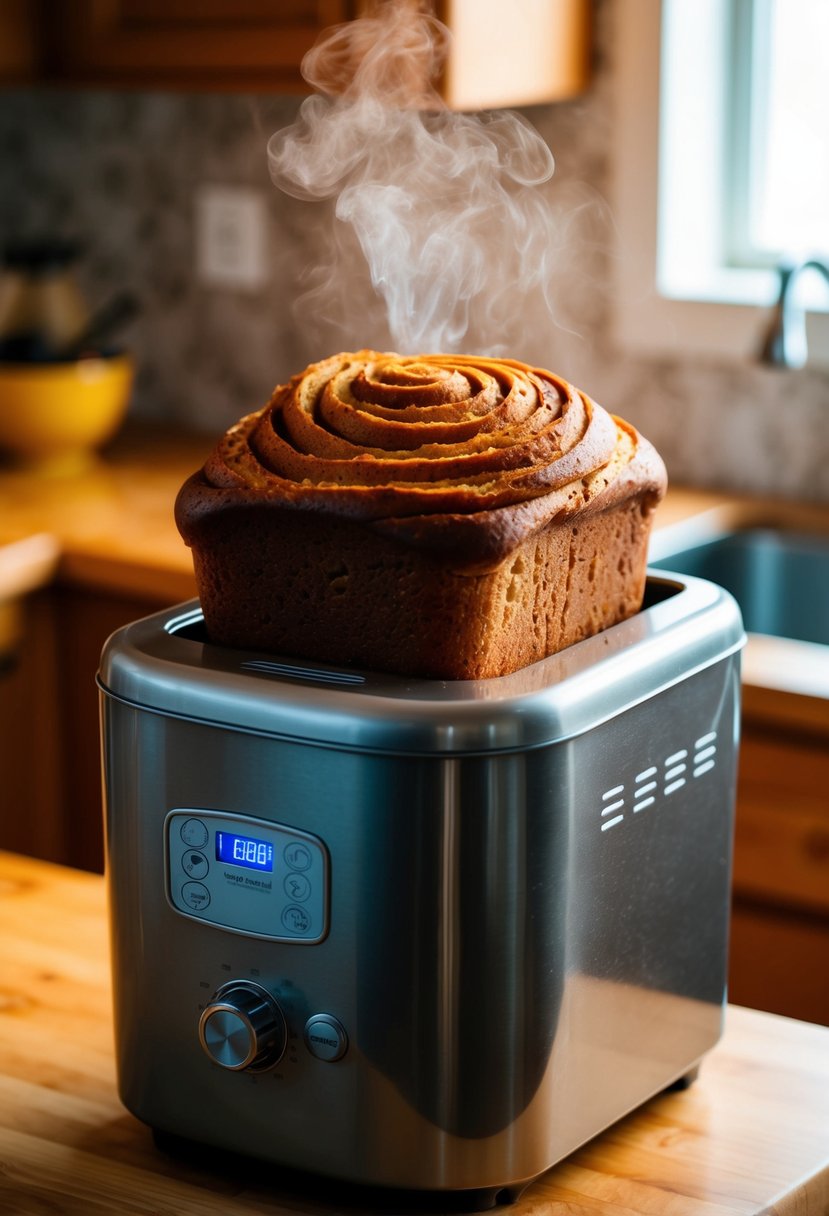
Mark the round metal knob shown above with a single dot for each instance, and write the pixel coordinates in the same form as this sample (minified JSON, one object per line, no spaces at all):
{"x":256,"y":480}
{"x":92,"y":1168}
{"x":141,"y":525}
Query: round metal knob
{"x":243,"y":1028}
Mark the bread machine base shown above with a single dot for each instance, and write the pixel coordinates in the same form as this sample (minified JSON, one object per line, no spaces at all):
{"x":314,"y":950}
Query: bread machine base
{"x":419,"y":934}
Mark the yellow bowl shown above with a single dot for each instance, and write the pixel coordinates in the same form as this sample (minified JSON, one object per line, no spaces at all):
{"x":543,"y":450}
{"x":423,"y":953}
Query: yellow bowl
{"x":54,"y":415}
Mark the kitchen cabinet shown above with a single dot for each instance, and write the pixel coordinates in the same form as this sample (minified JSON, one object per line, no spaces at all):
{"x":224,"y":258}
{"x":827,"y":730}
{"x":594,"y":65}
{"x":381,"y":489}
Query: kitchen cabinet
{"x":19,"y":51}
{"x":524,"y":52}
{"x":255,"y":45}
{"x":49,"y":743}
{"x":31,"y":819}
{"x":780,"y":920}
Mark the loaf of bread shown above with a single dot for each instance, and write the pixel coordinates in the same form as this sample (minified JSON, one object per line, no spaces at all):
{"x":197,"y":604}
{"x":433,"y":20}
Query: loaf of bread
{"x":444,"y":516}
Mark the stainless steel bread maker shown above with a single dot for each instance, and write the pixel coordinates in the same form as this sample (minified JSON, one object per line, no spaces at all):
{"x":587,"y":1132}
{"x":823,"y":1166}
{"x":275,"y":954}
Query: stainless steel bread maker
{"x":412,"y":933}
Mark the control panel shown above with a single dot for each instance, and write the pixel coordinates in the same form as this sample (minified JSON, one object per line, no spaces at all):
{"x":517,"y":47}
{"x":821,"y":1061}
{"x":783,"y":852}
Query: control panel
{"x":247,"y":875}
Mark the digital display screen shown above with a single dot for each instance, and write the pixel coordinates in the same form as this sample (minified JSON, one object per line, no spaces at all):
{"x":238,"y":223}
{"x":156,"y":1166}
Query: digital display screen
{"x":245,"y":851}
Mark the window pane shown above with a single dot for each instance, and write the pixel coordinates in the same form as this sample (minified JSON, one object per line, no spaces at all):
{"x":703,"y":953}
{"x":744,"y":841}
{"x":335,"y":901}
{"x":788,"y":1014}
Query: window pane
{"x":792,"y":212}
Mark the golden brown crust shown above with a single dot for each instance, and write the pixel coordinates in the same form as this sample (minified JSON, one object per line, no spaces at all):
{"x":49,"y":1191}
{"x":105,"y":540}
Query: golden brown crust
{"x":440,"y":516}
{"x":462,"y":457}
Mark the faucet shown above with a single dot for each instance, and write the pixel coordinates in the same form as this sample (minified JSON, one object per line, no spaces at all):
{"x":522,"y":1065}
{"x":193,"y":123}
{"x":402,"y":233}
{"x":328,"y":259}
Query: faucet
{"x":785,"y":341}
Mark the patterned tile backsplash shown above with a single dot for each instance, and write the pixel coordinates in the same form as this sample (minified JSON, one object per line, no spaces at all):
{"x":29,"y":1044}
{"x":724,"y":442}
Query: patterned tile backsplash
{"x":121,"y":172}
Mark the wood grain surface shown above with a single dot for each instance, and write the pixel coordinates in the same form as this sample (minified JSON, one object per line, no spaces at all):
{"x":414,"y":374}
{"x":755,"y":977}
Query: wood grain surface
{"x":750,"y":1137}
{"x":114,"y":521}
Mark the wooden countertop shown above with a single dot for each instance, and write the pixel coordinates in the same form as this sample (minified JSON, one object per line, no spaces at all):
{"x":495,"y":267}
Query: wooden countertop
{"x":750,"y":1137}
{"x":114,"y":529}
{"x":114,"y":521}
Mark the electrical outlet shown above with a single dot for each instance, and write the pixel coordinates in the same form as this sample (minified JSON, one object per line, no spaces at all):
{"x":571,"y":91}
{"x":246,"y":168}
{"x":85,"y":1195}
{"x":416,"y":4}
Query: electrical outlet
{"x":231,"y":237}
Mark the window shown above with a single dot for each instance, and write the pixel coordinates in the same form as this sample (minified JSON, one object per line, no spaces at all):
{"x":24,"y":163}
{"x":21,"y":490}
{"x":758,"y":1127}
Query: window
{"x":777,"y":174}
{"x":723,"y":166}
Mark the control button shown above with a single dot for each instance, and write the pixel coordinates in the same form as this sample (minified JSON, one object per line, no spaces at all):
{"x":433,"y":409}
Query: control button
{"x":195,"y":864}
{"x":195,"y":895}
{"x":297,"y":887}
{"x":296,"y":920}
{"x":243,"y":1028}
{"x":325,"y":1037}
{"x":194,"y":833}
{"x":298,"y":856}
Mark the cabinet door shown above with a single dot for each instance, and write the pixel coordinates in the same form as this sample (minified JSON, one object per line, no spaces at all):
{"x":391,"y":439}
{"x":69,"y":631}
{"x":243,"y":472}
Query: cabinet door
{"x":19,"y":51}
{"x":780,"y":922}
{"x":84,"y":619}
{"x":501,"y":54}
{"x":781,"y":853}
{"x":50,"y":756}
{"x":31,"y":744}
{"x":255,"y":45}
{"x":779,"y":962}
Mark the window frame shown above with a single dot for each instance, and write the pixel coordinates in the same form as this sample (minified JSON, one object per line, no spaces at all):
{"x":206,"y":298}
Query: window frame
{"x":673,"y":292}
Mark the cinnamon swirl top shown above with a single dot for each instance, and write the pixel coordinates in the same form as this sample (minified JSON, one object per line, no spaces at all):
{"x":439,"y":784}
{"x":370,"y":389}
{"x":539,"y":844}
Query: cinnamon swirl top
{"x":455,"y":453}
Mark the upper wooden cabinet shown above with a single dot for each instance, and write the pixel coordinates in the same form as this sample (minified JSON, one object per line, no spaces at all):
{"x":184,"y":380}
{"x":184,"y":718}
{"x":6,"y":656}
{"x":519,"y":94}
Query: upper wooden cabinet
{"x":515,"y":53}
{"x":19,"y":44}
{"x":255,"y":45}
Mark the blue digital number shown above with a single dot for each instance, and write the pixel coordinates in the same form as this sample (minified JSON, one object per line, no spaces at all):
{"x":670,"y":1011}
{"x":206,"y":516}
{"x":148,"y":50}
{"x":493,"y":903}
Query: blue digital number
{"x":245,"y":851}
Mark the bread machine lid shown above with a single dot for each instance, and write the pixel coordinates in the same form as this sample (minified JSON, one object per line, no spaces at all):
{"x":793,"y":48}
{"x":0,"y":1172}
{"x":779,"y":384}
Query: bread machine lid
{"x":166,"y":664}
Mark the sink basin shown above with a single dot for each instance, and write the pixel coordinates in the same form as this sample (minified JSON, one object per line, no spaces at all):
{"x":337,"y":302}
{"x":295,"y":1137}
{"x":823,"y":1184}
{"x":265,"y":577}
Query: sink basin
{"x":777,"y":569}
{"x":779,"y":579}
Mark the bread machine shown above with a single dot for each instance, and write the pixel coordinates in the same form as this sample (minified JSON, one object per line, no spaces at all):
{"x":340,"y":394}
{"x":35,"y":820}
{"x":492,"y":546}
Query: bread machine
{"x":414,"y":933}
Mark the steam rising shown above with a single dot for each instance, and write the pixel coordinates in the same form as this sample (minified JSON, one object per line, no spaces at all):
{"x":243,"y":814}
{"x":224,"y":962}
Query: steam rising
{"x":447,"y":211}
